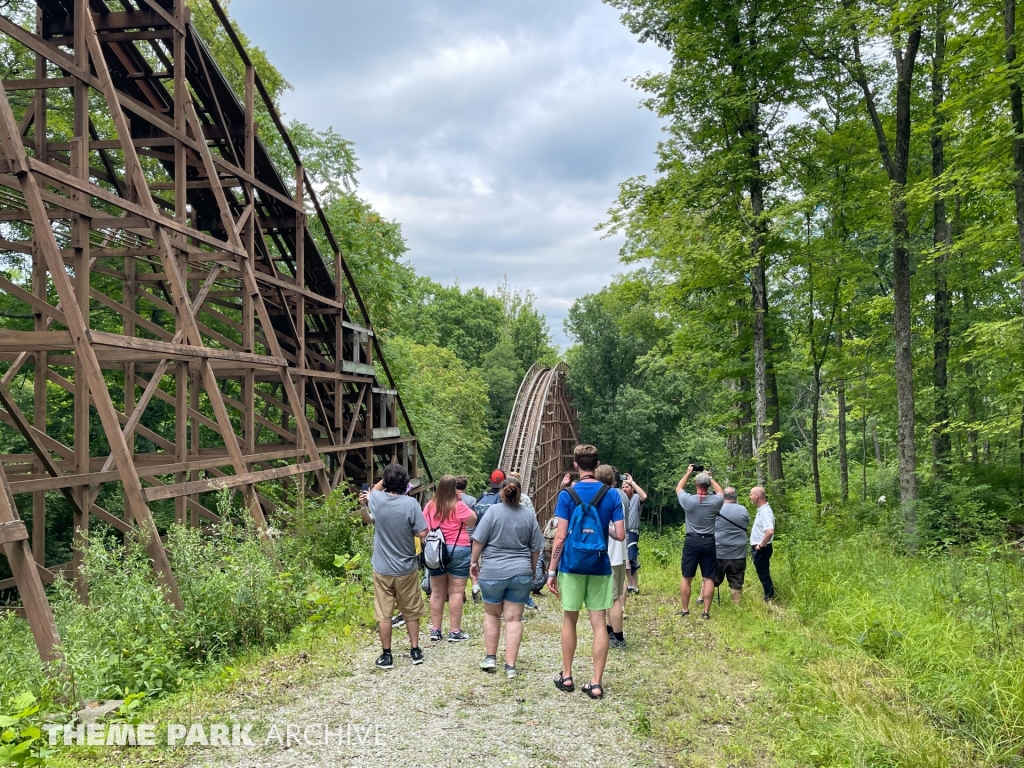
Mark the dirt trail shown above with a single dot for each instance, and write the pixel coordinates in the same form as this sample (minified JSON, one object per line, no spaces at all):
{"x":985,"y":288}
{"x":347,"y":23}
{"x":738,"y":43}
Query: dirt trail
{"x":448,"y":712}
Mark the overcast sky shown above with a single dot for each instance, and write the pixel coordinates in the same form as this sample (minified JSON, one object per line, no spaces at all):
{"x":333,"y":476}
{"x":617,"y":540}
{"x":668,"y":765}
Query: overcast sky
{"x":495,"y":132}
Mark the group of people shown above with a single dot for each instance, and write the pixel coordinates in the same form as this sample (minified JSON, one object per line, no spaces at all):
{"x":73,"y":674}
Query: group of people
{"x":594,"y":560}
{"x":716,"y":539}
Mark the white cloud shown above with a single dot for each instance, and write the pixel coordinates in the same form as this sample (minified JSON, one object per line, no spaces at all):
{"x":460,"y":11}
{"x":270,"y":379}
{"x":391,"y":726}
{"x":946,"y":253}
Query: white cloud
{"x":497,"y":134}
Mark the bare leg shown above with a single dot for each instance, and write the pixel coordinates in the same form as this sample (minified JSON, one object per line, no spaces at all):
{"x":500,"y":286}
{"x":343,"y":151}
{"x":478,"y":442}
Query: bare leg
{"x":438,"y":592}
{"x":384,"y":633}
{"x":569,"y":619}
{"x":513,"y":631}
{"x":456,"y":597}
{"x":684,"y":592}
{"x":600,"y":647}
{"x":736,"y":595}
{"x":412,"y":626}
{"x":492,"y":628}
{"x":616,"y":611}
{"x":708,"y":593}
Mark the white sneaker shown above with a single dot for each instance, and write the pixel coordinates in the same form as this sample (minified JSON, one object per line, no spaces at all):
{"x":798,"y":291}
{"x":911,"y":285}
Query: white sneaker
{"x":489,"y":664}
{"x":510,"y":672}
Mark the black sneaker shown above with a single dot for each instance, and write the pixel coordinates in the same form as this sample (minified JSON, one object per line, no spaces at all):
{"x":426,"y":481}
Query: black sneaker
{"x":614,"y":642}
{"x":706,"y":616}
{"x":398,"y":621}
{"x":632,"y":590}
{"x":477,"y":597}
{"x":416,"y":655}
{"x":385,"y":661}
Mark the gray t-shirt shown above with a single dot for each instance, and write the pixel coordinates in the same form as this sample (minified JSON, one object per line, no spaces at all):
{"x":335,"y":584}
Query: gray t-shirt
{"x":509,"y":534}
{"x":633,"y":513}
{"x":700,"y":513}
{"x":763,"y":520}
{"x":469,"y":501}
{"x":731,"y":537}
{"x":396,"y":521}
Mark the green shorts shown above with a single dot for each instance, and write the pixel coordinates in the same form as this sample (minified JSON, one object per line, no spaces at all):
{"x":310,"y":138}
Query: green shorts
{"x":578,"y":589}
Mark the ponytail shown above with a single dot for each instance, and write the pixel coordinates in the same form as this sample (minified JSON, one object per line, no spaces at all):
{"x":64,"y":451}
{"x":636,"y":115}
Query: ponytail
{"x":511,"y":492}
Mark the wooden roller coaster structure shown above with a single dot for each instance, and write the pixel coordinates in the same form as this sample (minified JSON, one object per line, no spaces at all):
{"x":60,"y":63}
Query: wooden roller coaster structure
{"x":541,"y":436}
{"x":167,"y":261}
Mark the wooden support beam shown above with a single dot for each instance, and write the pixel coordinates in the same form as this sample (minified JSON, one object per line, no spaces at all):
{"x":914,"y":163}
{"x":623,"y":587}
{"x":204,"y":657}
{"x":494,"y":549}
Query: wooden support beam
{"x":230,"y":481}
{"x":14,"y":151}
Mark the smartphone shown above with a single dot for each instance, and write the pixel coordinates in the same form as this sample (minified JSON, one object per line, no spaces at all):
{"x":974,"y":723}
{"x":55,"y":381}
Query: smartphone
{"x":365,"y":488}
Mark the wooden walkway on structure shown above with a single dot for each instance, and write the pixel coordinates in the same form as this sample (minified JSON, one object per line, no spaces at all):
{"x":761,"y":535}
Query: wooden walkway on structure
{"x":541,"y":436}
{"x":171,"y":264}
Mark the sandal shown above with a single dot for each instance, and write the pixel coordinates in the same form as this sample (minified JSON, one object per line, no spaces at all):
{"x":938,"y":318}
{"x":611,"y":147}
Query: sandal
{"x":564,"y":683}
{"x":706,"y":616}
{"x":682,"y":614}
{"x":589,"y":689}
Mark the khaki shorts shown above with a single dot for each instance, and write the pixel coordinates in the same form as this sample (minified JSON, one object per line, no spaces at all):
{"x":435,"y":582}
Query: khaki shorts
{"x":403,"y":590}
{"x":618,"y":581}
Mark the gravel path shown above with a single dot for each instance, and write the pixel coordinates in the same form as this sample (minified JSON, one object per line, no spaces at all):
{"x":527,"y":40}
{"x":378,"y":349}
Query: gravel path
{"x":448,"y":712}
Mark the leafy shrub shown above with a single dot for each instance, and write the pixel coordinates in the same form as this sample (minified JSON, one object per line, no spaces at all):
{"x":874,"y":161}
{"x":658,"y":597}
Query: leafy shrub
{"x":239,"y":591}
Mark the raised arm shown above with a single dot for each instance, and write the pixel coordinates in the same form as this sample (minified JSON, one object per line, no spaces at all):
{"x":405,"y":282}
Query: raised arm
{"x":636,"y":487}
{"x":686,"y":478}
{"x":714,"y":484}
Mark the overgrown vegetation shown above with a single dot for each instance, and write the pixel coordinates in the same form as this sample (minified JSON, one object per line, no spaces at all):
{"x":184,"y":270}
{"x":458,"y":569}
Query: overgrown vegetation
{"x":241,"y":593}
{"x":870,"y":657}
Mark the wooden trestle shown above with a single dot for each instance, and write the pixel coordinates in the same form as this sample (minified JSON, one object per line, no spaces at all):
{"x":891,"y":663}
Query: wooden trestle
{"x":541,"y":436}
{"x":170,"y":261}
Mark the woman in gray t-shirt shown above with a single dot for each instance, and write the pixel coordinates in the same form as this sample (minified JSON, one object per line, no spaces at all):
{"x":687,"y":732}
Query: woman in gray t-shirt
{"x":510,"y":539}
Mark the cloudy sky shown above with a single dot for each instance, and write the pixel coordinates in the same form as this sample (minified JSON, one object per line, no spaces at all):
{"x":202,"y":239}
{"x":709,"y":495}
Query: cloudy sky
{"x":496,"y":132}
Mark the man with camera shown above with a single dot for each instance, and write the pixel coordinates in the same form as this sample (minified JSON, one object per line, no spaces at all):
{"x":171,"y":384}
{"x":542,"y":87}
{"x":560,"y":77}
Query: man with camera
{"x":636,"y":496}
{"x":701,"y":510}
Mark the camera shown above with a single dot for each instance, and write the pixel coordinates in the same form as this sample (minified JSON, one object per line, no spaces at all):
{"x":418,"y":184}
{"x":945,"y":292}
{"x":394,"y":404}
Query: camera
{"x":698,"y":467}
{"x":622,"y":479}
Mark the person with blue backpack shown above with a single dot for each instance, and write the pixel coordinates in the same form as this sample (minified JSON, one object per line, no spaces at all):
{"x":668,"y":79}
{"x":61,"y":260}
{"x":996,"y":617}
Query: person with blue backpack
{"x":580,"y":572}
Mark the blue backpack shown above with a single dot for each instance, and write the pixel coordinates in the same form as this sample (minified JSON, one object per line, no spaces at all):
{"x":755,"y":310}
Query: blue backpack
{"x":486,"y":501}
{"x":586,"y":543}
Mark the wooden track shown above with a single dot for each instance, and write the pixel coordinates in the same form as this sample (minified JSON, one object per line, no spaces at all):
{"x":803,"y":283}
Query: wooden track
{"x":171,"y":260}
{"x":541,"y":435}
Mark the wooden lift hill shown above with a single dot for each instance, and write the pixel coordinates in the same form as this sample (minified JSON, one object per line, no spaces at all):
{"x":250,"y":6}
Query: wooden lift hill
{"x":171,"y":261}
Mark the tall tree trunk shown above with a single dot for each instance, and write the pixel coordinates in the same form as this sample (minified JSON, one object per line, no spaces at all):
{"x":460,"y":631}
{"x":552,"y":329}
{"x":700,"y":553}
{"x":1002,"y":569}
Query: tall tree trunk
{"x":970,"y":385}
{"x":942,"y":238}
{"x":902,"y":300}
{"x":878,"y":446}
{"x":844,"y":460}
{"x":815,"y":416}
{"x":864,"y":456}
{"x":775,"y":472}
{"x":758,"y":302}
{"x":1017,"y":116}
{"x":896,"y":165}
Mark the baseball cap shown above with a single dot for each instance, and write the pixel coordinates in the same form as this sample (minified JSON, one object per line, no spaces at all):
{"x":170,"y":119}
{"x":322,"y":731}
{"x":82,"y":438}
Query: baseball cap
{"x":497,"y":478}
{"x":703,"y":479}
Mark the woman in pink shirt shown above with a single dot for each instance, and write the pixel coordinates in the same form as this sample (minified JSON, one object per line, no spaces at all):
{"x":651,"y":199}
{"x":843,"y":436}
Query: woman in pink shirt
{"x":447,"y":512}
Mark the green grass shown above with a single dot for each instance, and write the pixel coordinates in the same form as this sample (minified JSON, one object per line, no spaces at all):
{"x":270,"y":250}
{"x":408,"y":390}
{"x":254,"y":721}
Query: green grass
{"x":869,"y":658}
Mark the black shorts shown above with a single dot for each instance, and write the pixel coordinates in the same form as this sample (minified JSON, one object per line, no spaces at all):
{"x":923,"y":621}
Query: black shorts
{"x":734,"y":571}
{"x":699,"y":551}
